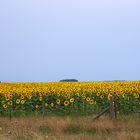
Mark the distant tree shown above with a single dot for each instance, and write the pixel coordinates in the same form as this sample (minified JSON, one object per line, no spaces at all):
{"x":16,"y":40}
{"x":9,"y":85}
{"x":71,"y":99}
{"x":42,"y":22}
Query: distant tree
{"x":69,"y":80}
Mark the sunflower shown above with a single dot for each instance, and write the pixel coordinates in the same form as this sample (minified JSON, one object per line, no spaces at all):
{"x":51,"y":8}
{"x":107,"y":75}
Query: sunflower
{"x":98,"y":94}
{"x":66,"y":103}
{"x":102,"y":97}
{"x":92,"y":102}
{"x":22,"y":97}
{"x":136,"y":95}
{"x":10,"y":102}
{"x":67,"y":95}
{"x":22,"y":102}
{"x":5,"y":106}
{"x":118,"y":94}
{"x":58,"y":101}
{"x":71,"y":100}
{"x":7,"y":98}
{"x":88,"y":99}
{"x":17,"y":101}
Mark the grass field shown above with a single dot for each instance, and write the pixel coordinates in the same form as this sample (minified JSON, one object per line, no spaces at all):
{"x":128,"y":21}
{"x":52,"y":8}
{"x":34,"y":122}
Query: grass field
{"x":70,"y":128}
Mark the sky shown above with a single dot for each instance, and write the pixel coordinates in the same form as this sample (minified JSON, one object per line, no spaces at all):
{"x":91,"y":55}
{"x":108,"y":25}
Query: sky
{"x":88,"y":40}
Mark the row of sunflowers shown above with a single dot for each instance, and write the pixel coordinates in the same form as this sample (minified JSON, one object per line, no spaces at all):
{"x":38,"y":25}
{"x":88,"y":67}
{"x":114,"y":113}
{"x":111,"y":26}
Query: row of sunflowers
{"x":68,"y":97}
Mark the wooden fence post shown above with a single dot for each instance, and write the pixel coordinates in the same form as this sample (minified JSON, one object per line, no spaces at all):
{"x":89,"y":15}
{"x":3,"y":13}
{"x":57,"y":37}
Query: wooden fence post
{"x":113,"y":108}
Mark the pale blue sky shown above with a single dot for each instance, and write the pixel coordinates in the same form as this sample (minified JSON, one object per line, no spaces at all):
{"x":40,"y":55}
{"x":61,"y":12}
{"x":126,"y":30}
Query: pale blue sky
{"x":89,"y":40}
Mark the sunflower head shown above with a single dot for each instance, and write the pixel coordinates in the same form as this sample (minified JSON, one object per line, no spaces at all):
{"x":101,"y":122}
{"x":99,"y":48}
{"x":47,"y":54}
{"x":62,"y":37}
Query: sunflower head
{"x":71,"y":100}
{"x":58,"y":101}
{"x":17,"y":101}
{"x":66,"y":103}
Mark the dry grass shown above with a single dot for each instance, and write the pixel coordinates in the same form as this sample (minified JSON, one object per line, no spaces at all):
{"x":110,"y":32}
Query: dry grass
{"x":70,"y":128}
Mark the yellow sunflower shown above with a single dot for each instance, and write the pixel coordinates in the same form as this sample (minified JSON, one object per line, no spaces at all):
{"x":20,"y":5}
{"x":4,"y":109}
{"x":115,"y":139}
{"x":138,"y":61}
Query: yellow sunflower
{"x":66,"y":103}
{"x":17,"y":101}
{"x":136,"y":95}
{"x":7,"y":98}
{"x":22,"y":97}
{"x":10,"y":102}
{"x":92,"y":102}
{"x":102,"y":97}
{"x":98,"y":94}
{"x":5,"y":106}
{"x":88,"y":99}
{"x":71,"y":100}
{"x":22,"y":102}
{"x":58,"y":101}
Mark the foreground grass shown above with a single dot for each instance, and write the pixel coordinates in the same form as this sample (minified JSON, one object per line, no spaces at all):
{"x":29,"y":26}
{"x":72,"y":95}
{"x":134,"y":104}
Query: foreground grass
{"x":70,"y":128}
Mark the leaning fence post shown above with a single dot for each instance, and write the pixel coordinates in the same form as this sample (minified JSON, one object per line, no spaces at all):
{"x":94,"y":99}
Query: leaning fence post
{"x":101,"y":113}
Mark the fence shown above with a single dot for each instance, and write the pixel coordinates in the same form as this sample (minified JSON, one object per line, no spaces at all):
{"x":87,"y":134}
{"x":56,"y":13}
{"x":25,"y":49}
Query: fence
{"x":112,"y":108}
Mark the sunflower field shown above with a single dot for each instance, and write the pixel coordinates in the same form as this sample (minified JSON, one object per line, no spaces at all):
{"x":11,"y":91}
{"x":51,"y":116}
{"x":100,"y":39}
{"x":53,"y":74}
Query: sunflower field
{"x":68,"y":97}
